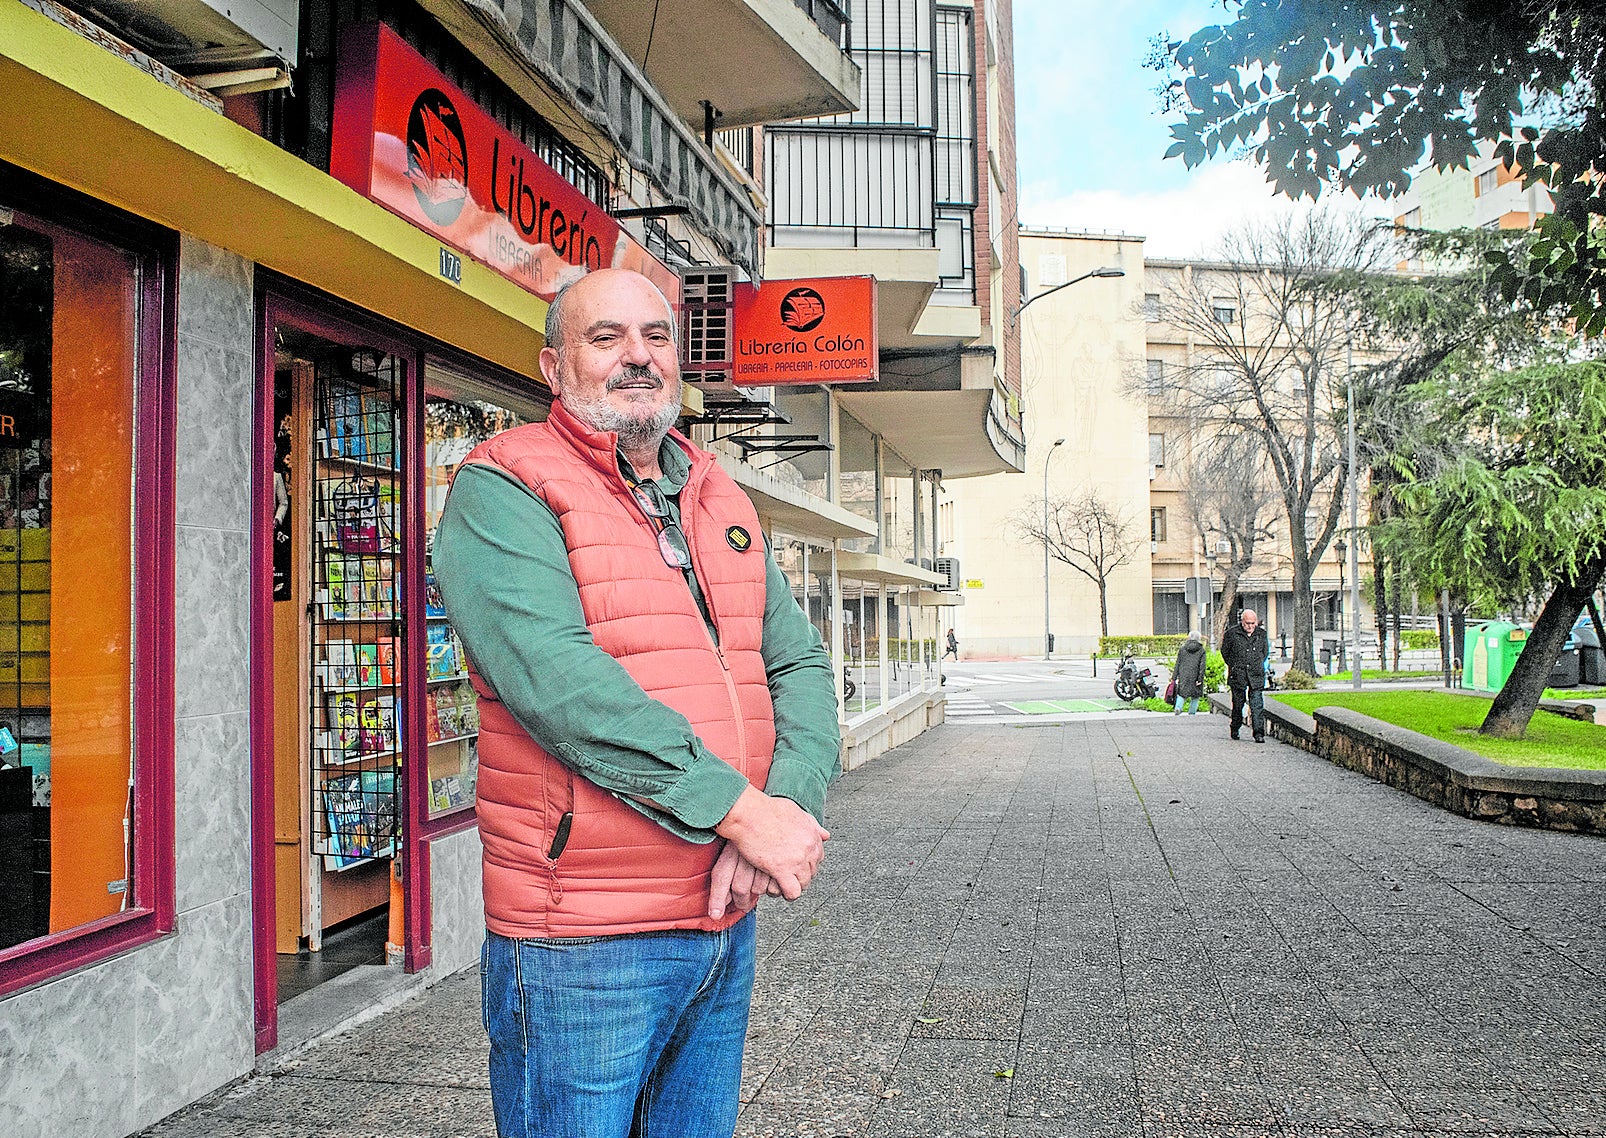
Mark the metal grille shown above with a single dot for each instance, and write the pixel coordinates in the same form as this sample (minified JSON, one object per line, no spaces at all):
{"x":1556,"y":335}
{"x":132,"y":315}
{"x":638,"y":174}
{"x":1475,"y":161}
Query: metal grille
{"x":705,"y":319}
{"x":740,"y":144}
{"x":956,"y":108}
{"x":894,"y":54}
{"x":878,"y":185}
{"x":357,"y":620}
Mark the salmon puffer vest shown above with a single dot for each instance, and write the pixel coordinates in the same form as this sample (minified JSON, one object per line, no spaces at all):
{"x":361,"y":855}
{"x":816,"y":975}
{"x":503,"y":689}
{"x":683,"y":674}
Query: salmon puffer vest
{"x":616,"y":870}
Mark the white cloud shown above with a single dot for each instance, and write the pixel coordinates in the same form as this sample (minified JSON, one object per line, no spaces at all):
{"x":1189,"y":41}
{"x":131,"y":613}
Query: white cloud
{"x":1184,"y":221}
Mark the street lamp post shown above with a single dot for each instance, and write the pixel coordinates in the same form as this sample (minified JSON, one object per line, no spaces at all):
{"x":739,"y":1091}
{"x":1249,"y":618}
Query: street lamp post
{"x":1048,"y":636}
{"x":1102,"y":271}
{"x":1354,"y":521}
{"x":1105,"y":271}
{"x":1340,"y":548}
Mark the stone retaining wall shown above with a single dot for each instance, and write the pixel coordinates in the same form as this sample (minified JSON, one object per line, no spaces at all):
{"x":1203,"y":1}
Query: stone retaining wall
{"x":1442,"y":773}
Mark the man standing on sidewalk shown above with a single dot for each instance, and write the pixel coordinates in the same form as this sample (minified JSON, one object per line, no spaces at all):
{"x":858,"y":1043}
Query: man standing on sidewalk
{"x":1246,"y":650}
{"x":658,"y":726}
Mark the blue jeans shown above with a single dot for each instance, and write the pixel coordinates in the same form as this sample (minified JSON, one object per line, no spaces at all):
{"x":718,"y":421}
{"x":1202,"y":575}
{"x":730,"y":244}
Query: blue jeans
{"x":1191,"y":701}
{"x":608,"y":1037}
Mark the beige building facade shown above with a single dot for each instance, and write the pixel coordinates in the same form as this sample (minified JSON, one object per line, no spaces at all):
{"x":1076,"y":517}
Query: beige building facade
{"x":1096,"y":361}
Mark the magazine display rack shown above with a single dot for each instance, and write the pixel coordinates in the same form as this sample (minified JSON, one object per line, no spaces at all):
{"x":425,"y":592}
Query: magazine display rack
{"x":451,"y":712}
{"x":357,"y":615}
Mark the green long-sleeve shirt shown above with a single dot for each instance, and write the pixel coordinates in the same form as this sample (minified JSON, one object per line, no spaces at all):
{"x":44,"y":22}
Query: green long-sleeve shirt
{"x":503,"y":569}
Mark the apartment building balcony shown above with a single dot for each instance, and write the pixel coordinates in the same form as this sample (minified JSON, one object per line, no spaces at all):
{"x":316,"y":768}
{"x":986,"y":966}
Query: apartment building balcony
{"x":854,"y":201}
{"x":754,"y":61}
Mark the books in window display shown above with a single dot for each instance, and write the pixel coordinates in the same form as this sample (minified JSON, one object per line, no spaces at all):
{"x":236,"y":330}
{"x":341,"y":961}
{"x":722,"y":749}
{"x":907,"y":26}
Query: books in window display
{"x":447,"y":792}
{"x":342,"y":434}
{"x":434,"y":606}
{"x":360,"y":816}
{"x":358,"y":424}
{"x":358,"y":515}
{"x":442,"y":657}
{"x":360,"y":723}
{"x":357,"y":588}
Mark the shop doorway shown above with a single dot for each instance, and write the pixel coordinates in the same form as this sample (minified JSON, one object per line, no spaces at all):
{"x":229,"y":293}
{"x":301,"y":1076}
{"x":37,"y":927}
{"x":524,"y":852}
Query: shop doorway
{"x":331,"y":659}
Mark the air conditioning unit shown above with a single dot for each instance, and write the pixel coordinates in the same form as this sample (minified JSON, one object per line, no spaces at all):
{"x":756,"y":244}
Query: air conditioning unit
{"x":949,"y":567}
{"x":707,"y":319}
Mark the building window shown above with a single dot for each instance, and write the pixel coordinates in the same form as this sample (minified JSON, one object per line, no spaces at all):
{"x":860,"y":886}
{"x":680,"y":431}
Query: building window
{"x":1156,"y":376}
{"x":1224,"y":311}
{"x":459,"y":414}
{"x":1412,"y":218}
{"x":1157,"y":450}
{"x":1151,"y":307}
{"x":1487,"y":181}
{"x":1157,"y":524}
{"x":1170,"y":614}
{"x":85,"y":533}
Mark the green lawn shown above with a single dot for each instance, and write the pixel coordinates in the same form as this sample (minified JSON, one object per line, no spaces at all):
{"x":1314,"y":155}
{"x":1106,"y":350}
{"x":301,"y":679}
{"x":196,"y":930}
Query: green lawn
{"x":1376,"y":674}
{"x":1551,"y":741}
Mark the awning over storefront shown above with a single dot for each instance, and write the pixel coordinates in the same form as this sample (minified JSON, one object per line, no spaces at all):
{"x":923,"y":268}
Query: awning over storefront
{"x":794,"y":510}
{"x":934,"y":599}
{"x":879,"y":570}
{"x":79,"y":115}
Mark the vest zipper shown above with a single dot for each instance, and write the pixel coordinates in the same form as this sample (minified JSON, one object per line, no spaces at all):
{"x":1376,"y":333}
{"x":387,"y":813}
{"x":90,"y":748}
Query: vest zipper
{"x":736,"y":706}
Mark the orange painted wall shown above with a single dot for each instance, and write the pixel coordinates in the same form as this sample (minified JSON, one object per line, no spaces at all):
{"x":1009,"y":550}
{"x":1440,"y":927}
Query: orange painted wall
{"x":91,"y":649}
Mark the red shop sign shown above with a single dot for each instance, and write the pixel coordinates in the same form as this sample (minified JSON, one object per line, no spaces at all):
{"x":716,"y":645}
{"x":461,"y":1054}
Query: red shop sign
{"x":409,"y":139}
{"x":820,"y":330}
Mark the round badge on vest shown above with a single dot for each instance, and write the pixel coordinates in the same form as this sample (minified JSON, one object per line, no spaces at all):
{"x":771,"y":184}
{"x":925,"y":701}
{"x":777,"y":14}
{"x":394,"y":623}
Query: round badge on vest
{"x":738,"y":539}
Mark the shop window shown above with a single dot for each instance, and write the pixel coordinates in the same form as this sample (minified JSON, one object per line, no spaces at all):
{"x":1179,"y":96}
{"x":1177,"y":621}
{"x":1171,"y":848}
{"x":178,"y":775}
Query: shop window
{"x":859,"y":479}
{"x":85,"y":792}
{"x":459,"y":414}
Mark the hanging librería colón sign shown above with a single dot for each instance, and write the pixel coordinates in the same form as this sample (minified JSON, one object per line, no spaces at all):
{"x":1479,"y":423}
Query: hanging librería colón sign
{"x":821,"y":330}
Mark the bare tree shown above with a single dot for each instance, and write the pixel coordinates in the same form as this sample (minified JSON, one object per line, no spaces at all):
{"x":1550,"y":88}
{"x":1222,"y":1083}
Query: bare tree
{"x":1083,"y":531}
{"x":1231,"y":502}
{"x":1270,"y":345}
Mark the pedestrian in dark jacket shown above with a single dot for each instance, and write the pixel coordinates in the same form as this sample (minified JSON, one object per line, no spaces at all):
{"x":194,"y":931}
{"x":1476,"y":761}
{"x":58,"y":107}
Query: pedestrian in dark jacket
{"x":1247,"y":651}
{"x":1188,"y":674}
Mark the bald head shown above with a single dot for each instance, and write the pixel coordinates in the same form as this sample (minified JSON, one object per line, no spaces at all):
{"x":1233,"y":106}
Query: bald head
{"x":576,"y":289}
{"x":611,"y":357}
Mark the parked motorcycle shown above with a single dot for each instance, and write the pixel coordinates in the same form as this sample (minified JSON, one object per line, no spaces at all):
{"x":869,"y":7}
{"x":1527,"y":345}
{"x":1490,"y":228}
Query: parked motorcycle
{"x":1133,"y":683}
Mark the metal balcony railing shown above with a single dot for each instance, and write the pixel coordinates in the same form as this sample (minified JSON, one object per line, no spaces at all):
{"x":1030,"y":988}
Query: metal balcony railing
{"x":872,"y":187}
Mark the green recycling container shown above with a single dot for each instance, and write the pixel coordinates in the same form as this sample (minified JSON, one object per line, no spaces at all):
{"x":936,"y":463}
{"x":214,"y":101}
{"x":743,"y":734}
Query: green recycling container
{"x":1491,"y":652}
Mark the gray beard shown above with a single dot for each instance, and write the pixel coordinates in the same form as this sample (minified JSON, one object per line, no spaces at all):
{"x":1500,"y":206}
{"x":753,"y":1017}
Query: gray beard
{"x":636,"y":431}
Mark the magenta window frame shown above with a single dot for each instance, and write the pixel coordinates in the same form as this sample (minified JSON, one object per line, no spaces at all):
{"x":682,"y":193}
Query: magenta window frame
{"x":47,"y":206}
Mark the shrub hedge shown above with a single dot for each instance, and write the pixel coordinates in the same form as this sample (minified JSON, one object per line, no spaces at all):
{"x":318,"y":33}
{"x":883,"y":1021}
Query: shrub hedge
{"x":1419,"y":639}
{"x":1155,"y":647}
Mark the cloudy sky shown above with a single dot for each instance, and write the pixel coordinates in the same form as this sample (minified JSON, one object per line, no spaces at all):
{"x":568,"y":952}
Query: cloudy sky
{"x":1091,"y":137}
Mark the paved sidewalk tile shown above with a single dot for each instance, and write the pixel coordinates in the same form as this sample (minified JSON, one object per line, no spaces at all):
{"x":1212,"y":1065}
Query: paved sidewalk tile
{"x":1122,"y":927}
